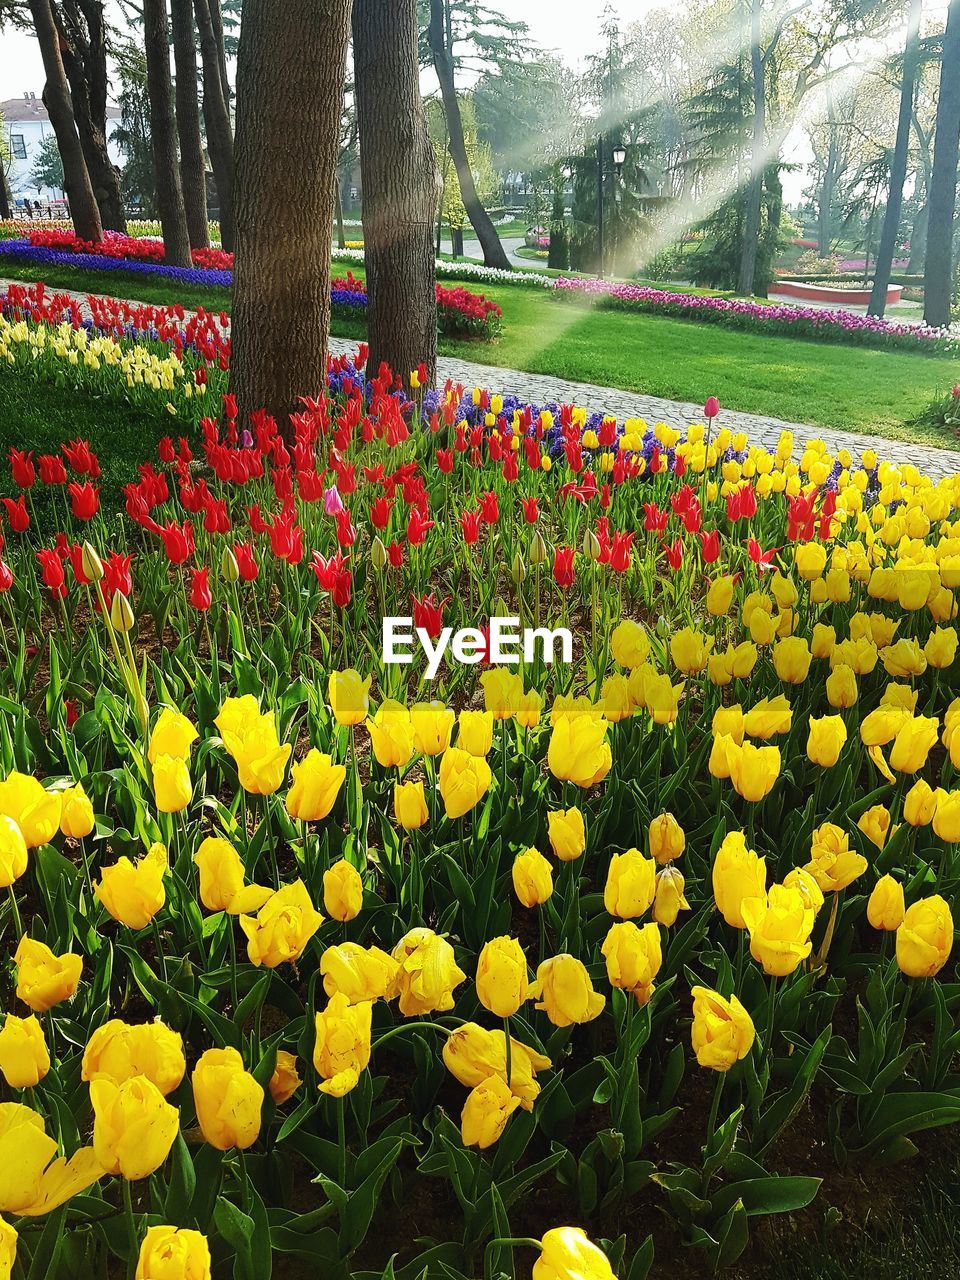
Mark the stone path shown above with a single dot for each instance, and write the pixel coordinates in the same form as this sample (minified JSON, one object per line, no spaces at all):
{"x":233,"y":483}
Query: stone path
{"x":542,"y":389}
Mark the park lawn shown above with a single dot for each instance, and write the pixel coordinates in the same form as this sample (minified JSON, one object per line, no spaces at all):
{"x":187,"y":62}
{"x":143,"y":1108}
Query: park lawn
{"x":816,"y":383}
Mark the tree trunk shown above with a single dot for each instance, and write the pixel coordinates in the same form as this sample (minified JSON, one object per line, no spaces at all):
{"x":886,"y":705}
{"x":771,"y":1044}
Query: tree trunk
{"x":216,"y":19}
{"x":918,"y":240}
{"x":751,"y":226}
{"x":163,"y":135}
{"x":341,"y":237}
{"x":828,"y":186}
{"x":898,"y":167}
{"x":400,"y":187}
{"x":493,"y":251}
{"x":192,"y":166}
{"x":290,"y":74}
{"x":216,"y":116}
{"x":941,"y":201}
{"x":82,"y":31}
{"x":56,"y":98}
{"x":5,"y":209}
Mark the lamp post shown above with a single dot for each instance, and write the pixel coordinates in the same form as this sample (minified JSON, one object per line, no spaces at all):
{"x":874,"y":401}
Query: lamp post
{"x":618,"y":155}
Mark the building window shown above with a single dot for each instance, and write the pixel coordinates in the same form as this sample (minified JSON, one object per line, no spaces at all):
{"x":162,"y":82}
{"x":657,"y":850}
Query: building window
{"x":18,"y":146}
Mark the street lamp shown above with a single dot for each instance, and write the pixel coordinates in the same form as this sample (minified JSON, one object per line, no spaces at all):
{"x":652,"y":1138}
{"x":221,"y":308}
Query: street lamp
{"x":618,"y":155}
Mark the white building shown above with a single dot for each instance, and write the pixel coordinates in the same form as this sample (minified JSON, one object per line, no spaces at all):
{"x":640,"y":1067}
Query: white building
{"x":25,"y":125}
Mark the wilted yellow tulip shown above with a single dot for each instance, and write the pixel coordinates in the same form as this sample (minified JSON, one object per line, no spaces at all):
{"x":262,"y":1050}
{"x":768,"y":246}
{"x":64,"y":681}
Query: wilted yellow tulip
{"x":134,"y":1126}
{"x":173,"y":735}
{"x":738,"y":874}
{"x":44,"y":979}
{"x":410,"y":805}
{"x":34,"y":1180}
{"x":342,"y":891}
{"x":471,"y":1054}
{"x":668,"y":899}
{"x":391,"y":735}
{"x":885,"y":906}
{"x":565,"y":991}
{"x":567,"y":833}
{"x":315,"y":783}
{"x":342,"y":1047}
{"x":568,"y":1254}
{"x":925,"y":937}
{"x":579,"y":752}
{"x":227,"y":1099}
{"x":501,"y":979}
{"x":532,"y":878}
{"x":76,"y":813}
{"x":172,"y":788}
{"x":35,"y":810}
{"x":285,"y":1081}
{"x":779,"y":927}
{"x":825,"y":741}
{"x":463,"y":781}
{"x":173,"y":1253}
{"x":629,"y":644}
{"x":133,"y":893}
{"x":13,"y":852}
{"x":24,"y":1059}
{"x":432,"y":727}
{"x":801,"y":879}
{"x":488,"y":1107}
{"x":349,"y":696}
{"x":222,"y":885}
{"x":633,"y":956}
{"x":833,"y":864}
{"x":630,"y":885}
{"x":359,"y":973}
{"x":475,"y":732}
{"x":427,"y":973}
{"x":282,"y":927}
{"x":667,"y":840}
{"x":722,"y":1032}
{"x":119,"y":1051}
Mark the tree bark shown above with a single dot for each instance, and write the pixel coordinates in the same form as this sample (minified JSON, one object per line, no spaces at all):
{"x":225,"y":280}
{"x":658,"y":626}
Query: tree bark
{"x":56,"y":98}
{"x":941,"y":201}
{"x":163,"y":134}
{"x":751,"y":225}
{"x":216,"y":19}
{"x":5,"y":209}
{"x":493,"y":251}
{"x":341,"y":235}
{"x":898,"y":166}
{"x":82,"y":30}
{"x":828,"y":186}
{"x":192,"y":166}
{"x":290,"y":74}
{"x":216,"y":115}
{"x":400,"y":188}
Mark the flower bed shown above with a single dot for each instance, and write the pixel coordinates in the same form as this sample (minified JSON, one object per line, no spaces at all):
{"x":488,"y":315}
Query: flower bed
{"x":116,"y":245}
{"x":389,"y":975}
{"x":833,"y":325}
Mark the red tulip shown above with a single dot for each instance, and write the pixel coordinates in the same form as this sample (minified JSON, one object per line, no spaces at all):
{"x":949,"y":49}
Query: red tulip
{"x":84,"y":500}
{"x":712,"y":407}
{"x":178,"y":541}
{"x":51,"y":571}
{"x":710,"y":546}
{"x":470,"y":526}
{"x":531,"y":510}
{"x":24,"y":472}
{"x":563,"y":570}
{"x":200,"y":594}
{"x":418,"y":526}
{"x":52,"y":470}
{"x":246,"y":561}
{"x":428,"y":614}
{"x":17,"y":513}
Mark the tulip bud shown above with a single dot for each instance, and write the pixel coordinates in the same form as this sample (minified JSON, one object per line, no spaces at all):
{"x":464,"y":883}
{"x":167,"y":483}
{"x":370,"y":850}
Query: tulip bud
{"x":538,"y":548}
{"x":121,"y":615}
{"x":91,"y":563}
{"x":591,"y":545}
{"x":518,"y":570}
{"x":378,"y":555}
{"x":229,"y":569}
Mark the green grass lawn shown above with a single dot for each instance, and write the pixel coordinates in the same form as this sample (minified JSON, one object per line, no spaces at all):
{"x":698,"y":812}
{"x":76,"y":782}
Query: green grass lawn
{"x":822,"y":384}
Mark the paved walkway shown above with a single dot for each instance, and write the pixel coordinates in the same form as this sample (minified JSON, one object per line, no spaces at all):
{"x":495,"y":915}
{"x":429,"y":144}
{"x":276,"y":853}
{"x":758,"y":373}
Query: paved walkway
{"x":541,"y":389}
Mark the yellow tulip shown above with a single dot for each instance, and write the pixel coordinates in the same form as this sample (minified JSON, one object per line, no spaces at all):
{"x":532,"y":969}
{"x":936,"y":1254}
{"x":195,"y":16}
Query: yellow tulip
{"x":432,"y":727}
{"x":173,"y":1253}
{"x":885,"y":906}
{"x":222,"y":885}
{"x":475,"y":732}
{"x":668,"y":900}
{"x":663,"y":699}
{"x":8,"y":1249}
{"x":690,"y":650}
{"x":76,"y":813}
{"x":34,"y":1180}
{"x":472,"y":1054}
{"x":349,"y":696}
{"x":501,"y":980}
{"x":875,"y":824}
{"x":173,"y":735}
{"x":791,"y":660}
{"x":488,"y":1107}
{"x":342,"y":891}
{"x":667,"y":840}
{"x":134,"y":1126}
{"x":568,"y":1254}
{"x":738,"y":874}
{"x":629,"y":644}
{"x":578,"y":751}
{"x":35,"y":810}
{"x":410,"y":805}
{"x":342,"y":1047}
{"x":631,"y":884}
{"x":912,"y":744}
{"x":285,"y":1081}
{"x":13,"y":852}
{"x":502,"y":691}
{"x":44,"y":979}
{"x":134,"y":893}
{"x":359,"y":973}
{"x":770,"y":717}
{"x":779,"y":927}
{"x":227,"y":1100}
{"x":120,"y":1051}
{"x":391,"y":735}
{"x":754,"y":771}
{"x":633,"y":956}
{"x":315,"y":783}
{"x":24,"y":1059}
{"x":833,"y":864}
{"x":825,"y":741}
{"x":532,"y":878}
{"x":925,"y":938}
{"x":171,"y":784}
{"x":565,"y":991}
{"x":463,"y":781}
{"x":567,"y":833}
{"x":722,"y":1032}
{"x":283,"y":926}
{"x":427,"y":974}
{"x":919,"y":804}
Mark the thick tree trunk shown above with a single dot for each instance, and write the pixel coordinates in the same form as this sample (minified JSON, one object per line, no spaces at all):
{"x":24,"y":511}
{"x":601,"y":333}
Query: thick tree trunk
{"x":751,"y":225}
{"x":216,"y":116}
{"x":82,"y":29}
{"x":290,"y":74}
{"x":400,"y":186}
{"x":898,"y":166}
{"x":216,"y":19}
{"x":828,"y":186}
{"x":163,"y":134}
{"x":941,"y":202}
{"x":56,"y":98}
{"x":192,"y":167}
{"x":493,"y":251}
